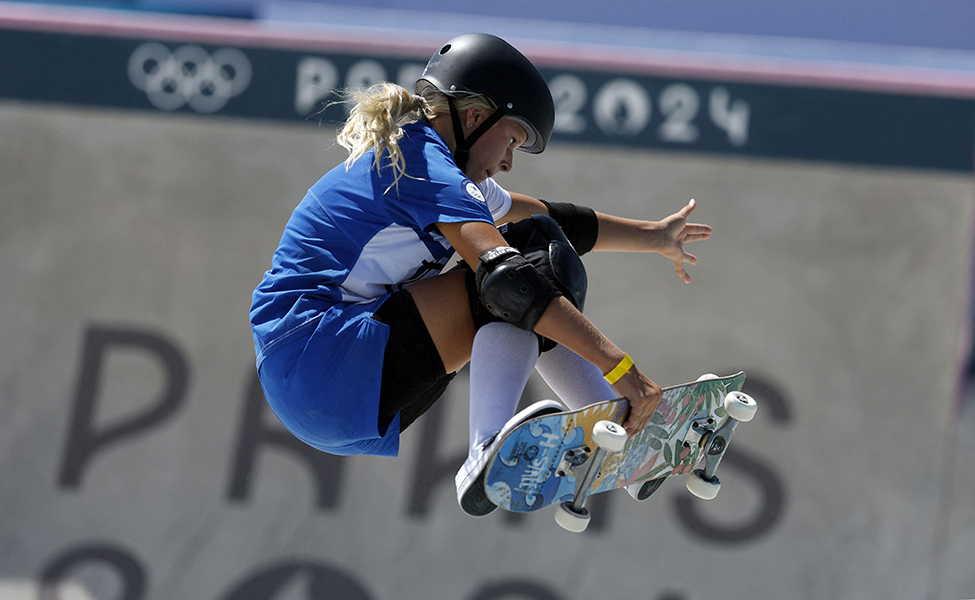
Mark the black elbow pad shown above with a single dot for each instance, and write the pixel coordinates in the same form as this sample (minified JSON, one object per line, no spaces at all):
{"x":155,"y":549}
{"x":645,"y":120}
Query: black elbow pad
{"x":511,"y":288}
{"x":579,"y":223}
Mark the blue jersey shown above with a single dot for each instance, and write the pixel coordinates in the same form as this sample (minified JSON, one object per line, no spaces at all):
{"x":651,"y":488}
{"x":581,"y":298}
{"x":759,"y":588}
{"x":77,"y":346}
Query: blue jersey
{"x":354,"y":239}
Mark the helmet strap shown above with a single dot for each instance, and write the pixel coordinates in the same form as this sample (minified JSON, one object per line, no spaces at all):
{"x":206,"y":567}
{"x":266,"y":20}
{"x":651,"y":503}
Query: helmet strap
{"x":462,"y":151}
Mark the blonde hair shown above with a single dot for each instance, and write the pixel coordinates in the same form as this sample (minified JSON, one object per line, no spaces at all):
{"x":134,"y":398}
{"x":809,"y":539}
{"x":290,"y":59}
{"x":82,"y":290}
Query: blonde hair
{"x":377,"y":118}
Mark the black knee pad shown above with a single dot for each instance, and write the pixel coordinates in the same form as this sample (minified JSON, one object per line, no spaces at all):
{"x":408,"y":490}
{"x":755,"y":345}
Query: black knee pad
{"x":544,"y":245}
{"x":512,"y":288}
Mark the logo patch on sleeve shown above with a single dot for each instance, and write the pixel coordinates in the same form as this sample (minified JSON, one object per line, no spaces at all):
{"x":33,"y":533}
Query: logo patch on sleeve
{"x":474,"y":191}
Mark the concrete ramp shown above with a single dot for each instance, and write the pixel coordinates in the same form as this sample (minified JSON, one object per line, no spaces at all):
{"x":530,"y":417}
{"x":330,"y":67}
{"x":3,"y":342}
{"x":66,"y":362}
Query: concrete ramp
{"x":140,"y":462}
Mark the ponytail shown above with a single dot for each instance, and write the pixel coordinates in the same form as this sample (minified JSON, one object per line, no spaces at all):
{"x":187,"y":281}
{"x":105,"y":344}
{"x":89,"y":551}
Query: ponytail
{"x":376,"y":122}
{"x":377,"y":118}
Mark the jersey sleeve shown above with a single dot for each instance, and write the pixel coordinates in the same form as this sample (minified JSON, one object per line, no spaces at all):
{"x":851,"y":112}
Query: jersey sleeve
{"x":498,"y":199}
{"x":433,"y":190}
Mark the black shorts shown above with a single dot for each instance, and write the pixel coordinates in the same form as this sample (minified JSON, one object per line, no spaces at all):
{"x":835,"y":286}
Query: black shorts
{"x":413,"y":372}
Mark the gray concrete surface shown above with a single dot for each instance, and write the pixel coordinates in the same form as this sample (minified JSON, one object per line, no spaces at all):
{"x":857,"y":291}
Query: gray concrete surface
{"x":130,"y":244}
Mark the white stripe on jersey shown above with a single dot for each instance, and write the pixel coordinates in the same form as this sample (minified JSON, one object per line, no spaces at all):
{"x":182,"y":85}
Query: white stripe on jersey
{"x":396,"y":257}
{"x":392,"y":259}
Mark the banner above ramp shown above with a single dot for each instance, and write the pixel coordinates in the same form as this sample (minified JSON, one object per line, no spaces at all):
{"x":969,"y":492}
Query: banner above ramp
{"x":624,"y":107}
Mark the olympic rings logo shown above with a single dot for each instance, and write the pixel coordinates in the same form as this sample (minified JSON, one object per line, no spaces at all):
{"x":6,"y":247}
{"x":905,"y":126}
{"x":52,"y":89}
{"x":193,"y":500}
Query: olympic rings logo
{"x":189,"y":75}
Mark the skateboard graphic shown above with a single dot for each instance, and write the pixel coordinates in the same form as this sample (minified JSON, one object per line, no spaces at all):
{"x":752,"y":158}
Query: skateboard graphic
{"x":565,"y":457}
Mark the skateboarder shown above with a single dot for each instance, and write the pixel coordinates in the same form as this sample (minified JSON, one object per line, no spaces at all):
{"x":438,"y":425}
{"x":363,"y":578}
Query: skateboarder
{"x":357,"y":329}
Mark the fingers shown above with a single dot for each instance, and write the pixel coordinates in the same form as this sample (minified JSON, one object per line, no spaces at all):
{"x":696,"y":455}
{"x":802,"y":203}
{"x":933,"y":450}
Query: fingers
{"x":689,"y":232}
{"x":679,"y":267}
{"x":696,"y":231}
{"x":639,"y":417}
{"x":644,"y":396}
{"x":633,"y":426}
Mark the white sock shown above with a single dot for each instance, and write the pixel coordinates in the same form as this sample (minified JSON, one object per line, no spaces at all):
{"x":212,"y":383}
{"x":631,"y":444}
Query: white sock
{"x":502,"y":359}
{"x":577,"y":381}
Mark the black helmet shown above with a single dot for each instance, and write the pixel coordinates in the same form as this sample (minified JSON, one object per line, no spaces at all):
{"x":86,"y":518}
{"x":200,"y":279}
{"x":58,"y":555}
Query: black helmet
{"x":486,"y":64}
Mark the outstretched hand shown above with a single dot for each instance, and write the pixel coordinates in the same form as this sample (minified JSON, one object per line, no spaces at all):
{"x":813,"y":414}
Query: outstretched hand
{"x":677,"y":231}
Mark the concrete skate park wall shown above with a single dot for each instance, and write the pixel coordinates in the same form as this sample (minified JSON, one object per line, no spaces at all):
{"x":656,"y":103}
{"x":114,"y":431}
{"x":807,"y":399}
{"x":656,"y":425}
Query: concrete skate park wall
{"x":140,"y":462}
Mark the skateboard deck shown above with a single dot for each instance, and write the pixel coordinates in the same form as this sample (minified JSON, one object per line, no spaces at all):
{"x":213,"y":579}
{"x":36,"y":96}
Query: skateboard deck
{"x":529,"y":470}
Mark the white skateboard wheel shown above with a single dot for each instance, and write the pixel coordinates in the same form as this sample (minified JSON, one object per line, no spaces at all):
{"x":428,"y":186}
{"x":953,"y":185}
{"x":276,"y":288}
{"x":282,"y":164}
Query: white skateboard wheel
{"x":571,"y":520}
{"x":609,"y":436}
{"x":707,"y":377}
{"x":701,"y":487}
{"x":740,"y":406}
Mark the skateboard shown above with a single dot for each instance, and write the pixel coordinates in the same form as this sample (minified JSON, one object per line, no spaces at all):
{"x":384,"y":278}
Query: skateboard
{"x":565,"y":457}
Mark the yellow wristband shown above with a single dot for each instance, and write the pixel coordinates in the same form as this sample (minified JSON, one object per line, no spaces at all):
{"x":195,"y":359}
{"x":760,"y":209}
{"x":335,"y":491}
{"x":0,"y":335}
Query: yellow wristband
{"x":620,"y":370}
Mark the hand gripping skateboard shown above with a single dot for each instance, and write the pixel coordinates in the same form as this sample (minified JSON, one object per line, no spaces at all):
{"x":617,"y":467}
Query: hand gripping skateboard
{"x":565,"y":457}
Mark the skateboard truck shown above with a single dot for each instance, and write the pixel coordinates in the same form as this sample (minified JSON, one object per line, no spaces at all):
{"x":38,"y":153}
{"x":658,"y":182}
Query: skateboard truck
{"x":715,"y":443}
{"x":571,"y":459}
{"x":585,"y":465}
{"x":703,"y":483}
{"x":702,"y":427}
